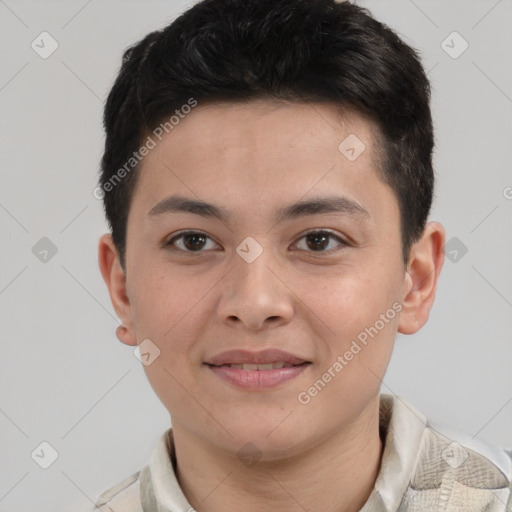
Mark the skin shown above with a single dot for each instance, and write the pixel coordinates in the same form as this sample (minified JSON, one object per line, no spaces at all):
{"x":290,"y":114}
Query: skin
{"x":253,"y":159}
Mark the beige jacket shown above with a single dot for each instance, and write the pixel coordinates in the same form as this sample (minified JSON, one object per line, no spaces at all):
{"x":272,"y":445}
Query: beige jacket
{"x":421,"y":470}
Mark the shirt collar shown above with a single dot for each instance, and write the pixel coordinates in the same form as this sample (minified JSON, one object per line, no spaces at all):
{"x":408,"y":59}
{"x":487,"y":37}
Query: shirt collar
{"x":402,"y":427}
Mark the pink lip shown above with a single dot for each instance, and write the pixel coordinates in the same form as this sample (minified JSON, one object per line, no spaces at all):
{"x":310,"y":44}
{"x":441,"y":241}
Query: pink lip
{"x":258,"y":379}
{"x":262,"y":357}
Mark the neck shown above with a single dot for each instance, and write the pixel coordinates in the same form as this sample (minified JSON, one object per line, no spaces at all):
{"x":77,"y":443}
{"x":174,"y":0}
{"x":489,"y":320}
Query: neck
{"x":336,"y":475}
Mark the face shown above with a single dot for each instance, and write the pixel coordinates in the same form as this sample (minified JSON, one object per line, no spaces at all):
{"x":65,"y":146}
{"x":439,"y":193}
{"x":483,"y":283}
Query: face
{"x":297,"y":249}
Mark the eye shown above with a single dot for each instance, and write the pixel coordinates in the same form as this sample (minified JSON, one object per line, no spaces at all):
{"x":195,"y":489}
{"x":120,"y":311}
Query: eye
{"x":190,"y":241}
{"x":319,"y":240}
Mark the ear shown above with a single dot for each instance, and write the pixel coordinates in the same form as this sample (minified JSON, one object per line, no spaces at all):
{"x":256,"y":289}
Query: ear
{"x":115,"y":279}
{"x":425,"y":262}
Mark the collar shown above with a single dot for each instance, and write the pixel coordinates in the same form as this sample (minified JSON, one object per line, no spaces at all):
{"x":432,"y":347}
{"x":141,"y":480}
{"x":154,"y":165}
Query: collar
{"x":404,"y":426}
{"x":401,"y":425}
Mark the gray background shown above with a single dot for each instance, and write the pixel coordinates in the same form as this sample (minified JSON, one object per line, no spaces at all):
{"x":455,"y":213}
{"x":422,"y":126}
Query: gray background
{"x":66,"y":380}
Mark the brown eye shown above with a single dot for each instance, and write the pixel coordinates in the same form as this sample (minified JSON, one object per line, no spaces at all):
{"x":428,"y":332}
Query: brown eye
{"x":194,"y":241}
{"x":318,"y":241}
{"x":190,"y":241}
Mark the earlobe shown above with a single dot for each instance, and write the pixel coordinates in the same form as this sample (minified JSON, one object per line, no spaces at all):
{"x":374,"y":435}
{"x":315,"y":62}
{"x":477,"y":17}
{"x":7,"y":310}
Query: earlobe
{"x":124,"y":336}
{"x":420,"y":283}
{"x":115,"y":279}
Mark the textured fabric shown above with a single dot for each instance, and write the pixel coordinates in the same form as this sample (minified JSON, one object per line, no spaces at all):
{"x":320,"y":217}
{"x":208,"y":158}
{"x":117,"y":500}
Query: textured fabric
{"x":421,"y":470}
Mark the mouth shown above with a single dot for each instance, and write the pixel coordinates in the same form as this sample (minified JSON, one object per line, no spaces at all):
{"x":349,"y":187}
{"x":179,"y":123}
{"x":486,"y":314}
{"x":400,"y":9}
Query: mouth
{"x":257,"y":370}
{"x":259,"y":367}
{"x":256,"y":360}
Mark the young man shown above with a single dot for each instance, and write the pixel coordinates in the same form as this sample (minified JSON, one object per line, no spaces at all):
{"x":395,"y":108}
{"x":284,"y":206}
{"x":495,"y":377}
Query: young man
{"x":267,"y":178}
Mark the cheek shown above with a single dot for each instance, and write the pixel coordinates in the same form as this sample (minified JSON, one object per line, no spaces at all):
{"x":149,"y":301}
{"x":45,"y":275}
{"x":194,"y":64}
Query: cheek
{"x":172,"y":309}
{"x":167,"y":310}
{"x":162,"y":301}
{"x":359,"y":312}
{"x":350,"y":301}
{"x":360,"y":321}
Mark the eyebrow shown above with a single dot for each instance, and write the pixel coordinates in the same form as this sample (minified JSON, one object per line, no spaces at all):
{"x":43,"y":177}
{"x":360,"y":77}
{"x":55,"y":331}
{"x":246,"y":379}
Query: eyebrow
{"x":314,"y":206}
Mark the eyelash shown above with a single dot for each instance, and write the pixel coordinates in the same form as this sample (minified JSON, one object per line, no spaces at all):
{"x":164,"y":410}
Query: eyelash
{"x":342,"y":243}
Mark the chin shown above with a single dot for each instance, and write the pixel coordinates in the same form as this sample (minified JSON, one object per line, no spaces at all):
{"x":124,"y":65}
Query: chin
{"x":267,"y":442}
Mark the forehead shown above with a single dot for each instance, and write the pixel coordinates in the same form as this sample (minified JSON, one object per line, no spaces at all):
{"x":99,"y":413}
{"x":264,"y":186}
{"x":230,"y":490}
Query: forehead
{"x":269,"y":124}
{"x":262,"y":148}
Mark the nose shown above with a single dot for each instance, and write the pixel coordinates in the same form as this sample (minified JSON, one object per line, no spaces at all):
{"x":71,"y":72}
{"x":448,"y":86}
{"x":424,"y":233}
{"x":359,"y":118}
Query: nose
{"x":256,"y":295}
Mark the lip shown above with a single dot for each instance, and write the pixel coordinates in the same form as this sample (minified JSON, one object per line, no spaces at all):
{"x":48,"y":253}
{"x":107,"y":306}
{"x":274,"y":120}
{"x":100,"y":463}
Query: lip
{"x":256,"y":379}
{"x":261,"y":357}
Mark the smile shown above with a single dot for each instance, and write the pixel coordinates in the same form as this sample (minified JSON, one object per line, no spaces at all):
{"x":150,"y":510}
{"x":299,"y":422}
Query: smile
{"x":259,"y":367}
{"x":257,"y":377}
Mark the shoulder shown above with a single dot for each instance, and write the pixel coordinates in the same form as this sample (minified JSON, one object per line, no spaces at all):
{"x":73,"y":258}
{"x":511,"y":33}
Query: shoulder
{"x":460,"y":474}
{"x":122,"y":497}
